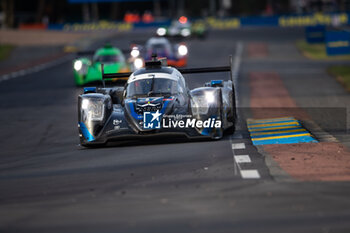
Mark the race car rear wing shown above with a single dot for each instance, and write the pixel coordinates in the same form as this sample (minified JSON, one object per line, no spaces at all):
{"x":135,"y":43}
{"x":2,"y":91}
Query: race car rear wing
{"x":85,"y":53}
{"x":182,"y":71}
{"x":90,"y":53}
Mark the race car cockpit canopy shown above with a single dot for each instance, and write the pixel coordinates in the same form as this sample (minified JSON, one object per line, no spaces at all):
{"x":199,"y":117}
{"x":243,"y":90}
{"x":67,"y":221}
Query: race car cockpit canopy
{"x":149,"y":85}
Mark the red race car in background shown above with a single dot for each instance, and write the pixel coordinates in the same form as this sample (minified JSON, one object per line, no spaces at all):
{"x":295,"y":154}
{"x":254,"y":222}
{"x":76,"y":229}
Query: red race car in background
{"x":176,"y":54}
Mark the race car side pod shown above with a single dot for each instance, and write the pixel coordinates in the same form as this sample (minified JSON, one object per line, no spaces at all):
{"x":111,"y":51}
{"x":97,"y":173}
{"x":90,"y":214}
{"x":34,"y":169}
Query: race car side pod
{"x":182,"y":71}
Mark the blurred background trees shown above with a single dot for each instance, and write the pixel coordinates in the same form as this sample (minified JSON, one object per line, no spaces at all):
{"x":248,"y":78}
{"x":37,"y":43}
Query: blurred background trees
{"x":15,"y":12}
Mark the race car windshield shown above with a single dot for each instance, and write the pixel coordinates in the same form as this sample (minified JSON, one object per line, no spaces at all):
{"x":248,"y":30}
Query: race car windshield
{"x":108,"y":58}
{"x":144,"y":87}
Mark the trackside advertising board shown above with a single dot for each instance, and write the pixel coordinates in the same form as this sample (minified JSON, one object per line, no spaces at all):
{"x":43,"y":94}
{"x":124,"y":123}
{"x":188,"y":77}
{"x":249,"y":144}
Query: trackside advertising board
{"x":315,"y":34}
{"x":317,"y":19}
{"x":338,"y":42}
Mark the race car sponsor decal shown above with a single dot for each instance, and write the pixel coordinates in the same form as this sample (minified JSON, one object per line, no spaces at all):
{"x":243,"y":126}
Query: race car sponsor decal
{"x":147,"y":103}
{"x":192,"y":123}
{"x":117,"y":123}
{"x":151,"y":120}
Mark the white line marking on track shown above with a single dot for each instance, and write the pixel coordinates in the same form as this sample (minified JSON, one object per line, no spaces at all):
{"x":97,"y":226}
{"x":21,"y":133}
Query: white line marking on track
{"x":29,"y":71}
{"x":235,"y":165}
{"x":5,"y":77}
{"x":14,"y":74}
{"x":36,"y":68}
{"x":242,"y":159}
{"x":237,"y":146}
{"x":250,"y":174}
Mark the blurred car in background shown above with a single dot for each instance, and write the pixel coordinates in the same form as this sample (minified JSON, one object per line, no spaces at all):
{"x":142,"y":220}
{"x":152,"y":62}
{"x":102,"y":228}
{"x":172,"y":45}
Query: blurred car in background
{"x":176,"y":54}
{"x":147,"y":17}
{"x":87,"y":70}
{"x":183,"y":28}
{"x":132,"y":17}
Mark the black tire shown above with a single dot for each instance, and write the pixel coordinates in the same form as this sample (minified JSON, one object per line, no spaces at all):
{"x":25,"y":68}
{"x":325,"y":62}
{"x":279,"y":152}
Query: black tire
{"x":86,"y":144}
{"x":95,"y":145}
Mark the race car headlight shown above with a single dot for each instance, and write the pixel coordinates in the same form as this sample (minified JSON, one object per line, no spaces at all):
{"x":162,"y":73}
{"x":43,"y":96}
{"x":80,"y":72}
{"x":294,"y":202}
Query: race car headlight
{"x":199,"y":105}
{"x":135,"y":53}
{"x":182,"y":50}
{"x":78,"y":65}
{"x":93,"y":109}
{"x":138,"y":63}
{"x":185,"y":32}
{"x":209,"y":96}
{"x":161,"y":31}
{"x":85,"y":104}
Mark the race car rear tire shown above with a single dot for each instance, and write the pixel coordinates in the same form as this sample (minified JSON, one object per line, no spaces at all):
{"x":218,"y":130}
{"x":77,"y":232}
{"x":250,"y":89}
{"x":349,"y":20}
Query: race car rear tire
{"x":231,"y":129}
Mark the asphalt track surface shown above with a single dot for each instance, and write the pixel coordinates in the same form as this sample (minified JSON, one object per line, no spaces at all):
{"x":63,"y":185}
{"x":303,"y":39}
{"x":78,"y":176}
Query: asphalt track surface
{"x":51,"y":184}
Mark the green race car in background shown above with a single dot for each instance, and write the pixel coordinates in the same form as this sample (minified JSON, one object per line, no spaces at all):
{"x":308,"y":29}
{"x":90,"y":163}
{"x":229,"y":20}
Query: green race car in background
{"x":87,"y":70}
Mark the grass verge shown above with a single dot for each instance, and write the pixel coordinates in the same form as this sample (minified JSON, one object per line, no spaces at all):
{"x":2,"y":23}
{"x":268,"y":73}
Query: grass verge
{"x":342,"y":74}
{"x":5,"y":51}
{"x":317,"y":51}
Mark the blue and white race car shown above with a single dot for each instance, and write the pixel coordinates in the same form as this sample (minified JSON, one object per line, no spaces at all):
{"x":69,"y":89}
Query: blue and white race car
{"x":156,"y":101}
